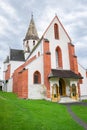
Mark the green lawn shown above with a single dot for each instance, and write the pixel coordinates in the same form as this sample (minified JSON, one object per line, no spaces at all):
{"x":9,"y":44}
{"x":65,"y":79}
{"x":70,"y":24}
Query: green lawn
{"x":81,"y":112}
{"x":19,"y":114}
{"x":84,"y":100}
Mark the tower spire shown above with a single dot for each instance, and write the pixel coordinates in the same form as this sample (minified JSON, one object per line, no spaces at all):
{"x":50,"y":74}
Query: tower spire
{"x":31,"y":38}
{"x":32,"y":31}
{"x":32,"y":15}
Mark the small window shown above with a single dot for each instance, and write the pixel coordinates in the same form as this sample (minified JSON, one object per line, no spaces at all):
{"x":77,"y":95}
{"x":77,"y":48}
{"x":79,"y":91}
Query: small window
{"x":37,"y":78}
{"x":56,"y":31}
{"x":33,"y":43}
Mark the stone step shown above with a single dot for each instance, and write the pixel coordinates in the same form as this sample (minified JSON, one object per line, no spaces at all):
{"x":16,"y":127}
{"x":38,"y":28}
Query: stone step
{"x":67,"y":100}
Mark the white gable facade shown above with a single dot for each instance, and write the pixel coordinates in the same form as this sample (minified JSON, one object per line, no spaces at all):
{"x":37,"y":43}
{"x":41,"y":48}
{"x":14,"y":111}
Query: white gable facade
{"x":38,"y":65}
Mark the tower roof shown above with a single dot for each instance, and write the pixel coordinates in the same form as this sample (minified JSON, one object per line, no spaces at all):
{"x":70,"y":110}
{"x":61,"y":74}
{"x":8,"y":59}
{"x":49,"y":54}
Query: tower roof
{"x":32,"y":31}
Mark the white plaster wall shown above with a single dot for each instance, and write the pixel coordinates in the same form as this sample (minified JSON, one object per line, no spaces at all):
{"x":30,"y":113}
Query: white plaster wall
{"x":31,"y":44}
{"x":83,"y":87}
{"x":73,"y":82}
{"x":26,"y":55}
{"x":54,"y":81}
{"x":36,"y":65}
{"x":4,"y":87}
{"x":14,"y":66}
{"x":8,"y":87}
{"x":62,"y":43}
{"x":38,"y":49}
{"x":4,"y":69}
{"x":5,"y":66}
{"x":36,"y":91}
{"x":67,"y":90}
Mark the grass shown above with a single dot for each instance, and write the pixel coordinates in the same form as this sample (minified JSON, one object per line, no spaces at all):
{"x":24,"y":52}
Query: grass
{"x":19,"y":114}
{"x":84,"y":100}
{"x":81,"y":112}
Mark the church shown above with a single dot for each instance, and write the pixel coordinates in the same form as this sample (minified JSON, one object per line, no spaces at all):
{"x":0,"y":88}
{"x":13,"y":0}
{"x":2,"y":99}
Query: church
{"x":47,"y":67}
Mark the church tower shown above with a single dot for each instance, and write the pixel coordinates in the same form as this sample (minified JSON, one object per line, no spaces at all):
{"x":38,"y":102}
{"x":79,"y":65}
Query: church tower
{"x":31,"y":38}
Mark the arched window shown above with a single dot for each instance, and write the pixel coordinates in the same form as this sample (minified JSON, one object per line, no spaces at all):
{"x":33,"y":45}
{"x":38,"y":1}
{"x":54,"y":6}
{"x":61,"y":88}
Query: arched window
{"x":56,"y":31}
{"x":33,"y":43}
{"x":58,"y":57}
{"x":37,"y":77}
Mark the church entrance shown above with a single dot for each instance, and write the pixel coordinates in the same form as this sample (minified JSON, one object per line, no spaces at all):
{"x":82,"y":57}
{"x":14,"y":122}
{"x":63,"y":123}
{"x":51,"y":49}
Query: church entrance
{"x":62,"y":87}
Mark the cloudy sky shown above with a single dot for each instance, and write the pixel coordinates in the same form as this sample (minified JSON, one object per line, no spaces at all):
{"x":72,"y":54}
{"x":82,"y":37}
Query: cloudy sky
{"x":15,"y":17}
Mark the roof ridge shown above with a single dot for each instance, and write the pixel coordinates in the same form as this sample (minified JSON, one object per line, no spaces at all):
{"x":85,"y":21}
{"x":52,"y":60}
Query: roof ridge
{"x":15,"y":49}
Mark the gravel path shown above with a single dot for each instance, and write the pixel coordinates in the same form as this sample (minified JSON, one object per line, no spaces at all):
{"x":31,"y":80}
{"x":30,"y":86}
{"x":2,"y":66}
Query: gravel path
{"x":75,"y":117}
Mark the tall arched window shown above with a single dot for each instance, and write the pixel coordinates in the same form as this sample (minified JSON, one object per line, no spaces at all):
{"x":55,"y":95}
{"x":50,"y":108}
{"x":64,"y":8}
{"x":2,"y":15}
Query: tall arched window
{"x":58,"y":57}
{"x":37,"y":77}
{"x":57,"y":65}
{"x":56,"y":31}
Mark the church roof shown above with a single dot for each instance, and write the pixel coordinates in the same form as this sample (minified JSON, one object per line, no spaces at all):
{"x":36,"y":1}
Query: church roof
{"x":64,"y":74}
{"x":17,"y":55}
{"x":32,"y":31}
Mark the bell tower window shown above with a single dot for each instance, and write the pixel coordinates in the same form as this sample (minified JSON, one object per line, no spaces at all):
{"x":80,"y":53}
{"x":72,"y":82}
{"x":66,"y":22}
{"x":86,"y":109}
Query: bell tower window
{"x":33,"y":43}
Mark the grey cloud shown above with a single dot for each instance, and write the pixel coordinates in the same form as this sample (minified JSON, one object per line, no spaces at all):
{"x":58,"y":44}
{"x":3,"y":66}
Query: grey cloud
{"x":72,"y":13}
